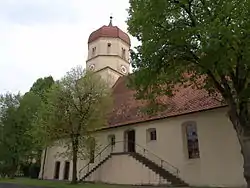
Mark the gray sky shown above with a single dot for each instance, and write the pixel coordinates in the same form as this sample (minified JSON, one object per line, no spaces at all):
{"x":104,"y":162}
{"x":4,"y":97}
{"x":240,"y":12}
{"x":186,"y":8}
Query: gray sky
{"x":48,"y":37}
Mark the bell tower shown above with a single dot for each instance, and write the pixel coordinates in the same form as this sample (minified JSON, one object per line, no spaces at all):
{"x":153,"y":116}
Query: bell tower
{"x":108,"y":52}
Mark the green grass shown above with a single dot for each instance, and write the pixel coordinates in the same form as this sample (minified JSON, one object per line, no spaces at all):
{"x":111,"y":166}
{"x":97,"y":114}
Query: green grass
{"x":55,"y":184}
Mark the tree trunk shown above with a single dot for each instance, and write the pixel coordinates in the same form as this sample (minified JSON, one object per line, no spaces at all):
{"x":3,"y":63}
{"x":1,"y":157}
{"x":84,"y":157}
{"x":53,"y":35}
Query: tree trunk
{"x":245,"y":149}
{"x":74,"y":169}
{"x":44,"y":160}
{"x":244,"y":140}
{"x":75,"y":151}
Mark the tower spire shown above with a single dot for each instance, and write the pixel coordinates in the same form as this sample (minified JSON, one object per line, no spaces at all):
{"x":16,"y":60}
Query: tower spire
{"x":110,"y":22}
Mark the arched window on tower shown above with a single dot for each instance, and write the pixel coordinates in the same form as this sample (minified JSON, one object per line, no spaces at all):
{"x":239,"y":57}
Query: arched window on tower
{"x":93,"y":51}
{"x":123,"y":53}
{"x":191,"y":138}
{"x":109,"y":48}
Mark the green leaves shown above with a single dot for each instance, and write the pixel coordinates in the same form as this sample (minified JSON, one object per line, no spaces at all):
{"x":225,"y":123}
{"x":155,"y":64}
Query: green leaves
{"x":206,"y":40}
{"x":13,"y":144}
{"x":76,"y":105}
{"x":18,"y":143}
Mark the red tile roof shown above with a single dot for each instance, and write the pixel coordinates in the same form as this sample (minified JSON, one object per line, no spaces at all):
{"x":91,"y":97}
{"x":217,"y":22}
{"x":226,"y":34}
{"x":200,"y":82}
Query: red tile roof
{"x":109,"y":31}
{"x":127,"y":109}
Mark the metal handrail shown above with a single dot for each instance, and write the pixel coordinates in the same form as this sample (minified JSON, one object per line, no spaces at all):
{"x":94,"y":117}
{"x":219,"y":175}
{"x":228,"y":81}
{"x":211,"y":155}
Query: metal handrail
{"x":107,"y":146}
{"x":144,"y":150}
{"x":162,"y":160}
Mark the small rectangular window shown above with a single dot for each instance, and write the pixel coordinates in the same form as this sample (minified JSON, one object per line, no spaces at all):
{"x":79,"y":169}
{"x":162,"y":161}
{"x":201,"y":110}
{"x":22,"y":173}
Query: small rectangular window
{"x":151,"y":134}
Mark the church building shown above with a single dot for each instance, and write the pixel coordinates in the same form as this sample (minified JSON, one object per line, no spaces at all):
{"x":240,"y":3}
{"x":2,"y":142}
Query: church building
{"x":192,"y":143}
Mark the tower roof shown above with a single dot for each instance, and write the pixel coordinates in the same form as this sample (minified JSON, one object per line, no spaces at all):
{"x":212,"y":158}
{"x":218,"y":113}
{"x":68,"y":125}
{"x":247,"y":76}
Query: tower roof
{"x":109,"y":31}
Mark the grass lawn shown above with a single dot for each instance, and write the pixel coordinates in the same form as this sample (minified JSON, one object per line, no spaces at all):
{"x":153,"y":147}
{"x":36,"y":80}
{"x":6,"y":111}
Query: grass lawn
{"x":55,"y":184}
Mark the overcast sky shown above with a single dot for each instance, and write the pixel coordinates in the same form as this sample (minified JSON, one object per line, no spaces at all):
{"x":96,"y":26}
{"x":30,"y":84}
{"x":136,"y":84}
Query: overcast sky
{"x":48,"y":37}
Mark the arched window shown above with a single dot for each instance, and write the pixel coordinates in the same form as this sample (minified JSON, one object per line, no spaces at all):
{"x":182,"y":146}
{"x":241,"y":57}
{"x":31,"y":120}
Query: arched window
{"x":93,"y":51}
{"x":111,"y":140}
{"x":123,"y":53}
{"x":108,"y":47}
{"x":192,"y":141}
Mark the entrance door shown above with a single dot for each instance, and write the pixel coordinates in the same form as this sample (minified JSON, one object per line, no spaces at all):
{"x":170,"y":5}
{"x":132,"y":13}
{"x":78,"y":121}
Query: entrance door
{"x":57,"y":170}
{"x":131,"y":140}
{"x":66,"y":170}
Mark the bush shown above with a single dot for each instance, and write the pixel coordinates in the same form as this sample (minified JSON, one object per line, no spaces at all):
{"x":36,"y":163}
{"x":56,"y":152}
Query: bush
{"x":34,"y":171}
{"x":7,"y":170}
{"x":25,"y":169}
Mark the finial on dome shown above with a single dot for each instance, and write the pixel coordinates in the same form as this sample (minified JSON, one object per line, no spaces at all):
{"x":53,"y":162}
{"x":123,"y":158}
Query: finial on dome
{"x":110,"y":22}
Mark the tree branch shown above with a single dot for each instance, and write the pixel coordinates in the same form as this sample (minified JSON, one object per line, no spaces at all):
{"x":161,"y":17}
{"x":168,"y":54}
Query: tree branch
{"x":209,"y":73}
{"x":206,"y":8}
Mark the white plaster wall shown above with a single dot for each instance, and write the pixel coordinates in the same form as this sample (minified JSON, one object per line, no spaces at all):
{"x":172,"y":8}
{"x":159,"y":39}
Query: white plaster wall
{"x":220,"y":162}
{"x":108,"y":58}
{"x":115,"y":48}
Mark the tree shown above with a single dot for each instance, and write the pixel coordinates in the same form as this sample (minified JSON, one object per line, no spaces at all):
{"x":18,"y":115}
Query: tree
{"x":39,"y":90}
{"x":195,"y":42}
{"x":14,"y":145}
{"x":42,"y":86}
{"x":77,"y":104}
{"x":17,"y":113}
{"x":27,"y":111}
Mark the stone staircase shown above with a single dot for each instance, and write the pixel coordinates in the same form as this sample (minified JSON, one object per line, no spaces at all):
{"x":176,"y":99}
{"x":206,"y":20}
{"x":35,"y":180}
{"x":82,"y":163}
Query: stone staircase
{"x":95,"y":168}
{"x":172,"y":179}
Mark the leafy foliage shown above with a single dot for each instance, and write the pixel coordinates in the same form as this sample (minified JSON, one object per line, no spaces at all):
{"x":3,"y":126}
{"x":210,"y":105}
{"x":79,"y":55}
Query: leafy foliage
{"x":17,"y":113}
{"x":76,"y":105}
{"x":13,"y":143}
{"x":201,"y":43}
{"x":30,"y":104}
{"x":42,"y":86}
{"x":185,"y":41}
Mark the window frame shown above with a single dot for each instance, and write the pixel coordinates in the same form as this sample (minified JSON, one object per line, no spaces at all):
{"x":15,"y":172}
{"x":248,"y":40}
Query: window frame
{"x":123,"y":53}
{"x":93,"y":51}
{"x":109,"y":47}
{"x":188,"y":141}
{"x":151,"y":135}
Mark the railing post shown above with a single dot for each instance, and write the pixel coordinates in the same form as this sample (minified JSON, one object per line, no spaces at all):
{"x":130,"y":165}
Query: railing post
{"x":144,"y":151}
{"x":88,"y":168}
{"x":159,"y":175}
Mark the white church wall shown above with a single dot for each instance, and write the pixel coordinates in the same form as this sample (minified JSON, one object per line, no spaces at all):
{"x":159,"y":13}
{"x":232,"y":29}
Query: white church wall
{"x":220,"y":162}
